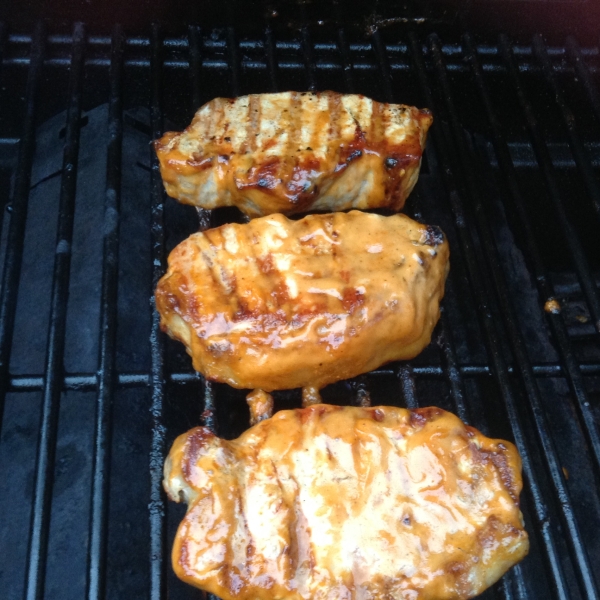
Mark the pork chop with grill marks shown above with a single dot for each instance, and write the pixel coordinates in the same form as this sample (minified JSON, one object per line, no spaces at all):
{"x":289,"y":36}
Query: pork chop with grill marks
{"x":332,"y":502}
{"x":293,"y":152}
{"x":280,"y":304}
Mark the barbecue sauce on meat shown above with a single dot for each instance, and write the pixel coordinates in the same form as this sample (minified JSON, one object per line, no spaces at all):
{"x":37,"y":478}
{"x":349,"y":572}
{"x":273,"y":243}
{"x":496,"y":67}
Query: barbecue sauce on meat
{"x":291,"y":152}
{"x":344,"y":502}
{"x":280,"y":304}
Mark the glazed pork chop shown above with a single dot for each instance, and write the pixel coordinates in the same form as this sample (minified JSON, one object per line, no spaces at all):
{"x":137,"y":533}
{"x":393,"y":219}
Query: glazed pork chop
{"x":293,"y":152}
{"x":280,"y":304}
{"x":347,"y":503}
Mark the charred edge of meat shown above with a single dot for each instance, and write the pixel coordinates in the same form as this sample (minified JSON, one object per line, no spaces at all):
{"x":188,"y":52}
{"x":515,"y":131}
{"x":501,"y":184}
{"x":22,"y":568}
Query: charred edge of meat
{"x":434,"y":236}
{"x":353,"y":155}
{"x":197,"y":441}
{"x":420,"y":416}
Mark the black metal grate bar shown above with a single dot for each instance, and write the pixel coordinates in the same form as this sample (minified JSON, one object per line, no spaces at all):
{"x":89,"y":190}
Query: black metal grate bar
{"x":583,"y":74}
{"x":107,"y":375}
{"x":44,"y":469}
{"x":580,"y":261}
{"x":408,"y":388}
{"x":576,"y":383}
{"x":517,"y":343}
{"x":215,"y":60}
{"x":384,"y":66}
{"x":195,"y":46}
{"x":308,"y":60}
{"x":271,"y":58}
{"x":346,"y":61}
{"x":3,"y":37}
{"x":89,"y":381}
{"x":234,"y":62}
{"x":579,"y":152}
{"x":519,"y":580}
{"x":446,"y":344}
{"x":452,"y":370}
{"x":571,"y":368}
{"x":16,"y":231}
{"x":157,"y":449}
{"x":499,"y":367}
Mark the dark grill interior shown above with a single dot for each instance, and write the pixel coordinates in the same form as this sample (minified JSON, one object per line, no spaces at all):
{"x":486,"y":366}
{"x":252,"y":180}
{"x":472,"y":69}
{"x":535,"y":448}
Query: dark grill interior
{"x":92,"y":394}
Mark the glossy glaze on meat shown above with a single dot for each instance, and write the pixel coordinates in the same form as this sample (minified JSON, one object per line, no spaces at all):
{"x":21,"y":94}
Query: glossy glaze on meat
{"x":293,"y":152}
{"x":280,"y":304}
{"x":332,"y":502}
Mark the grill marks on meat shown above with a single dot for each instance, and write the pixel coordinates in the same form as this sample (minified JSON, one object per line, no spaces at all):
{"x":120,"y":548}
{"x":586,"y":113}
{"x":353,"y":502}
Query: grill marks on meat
{"x":291,"y":152}
{"x":279,"y":304}
{"x":343,"y":502}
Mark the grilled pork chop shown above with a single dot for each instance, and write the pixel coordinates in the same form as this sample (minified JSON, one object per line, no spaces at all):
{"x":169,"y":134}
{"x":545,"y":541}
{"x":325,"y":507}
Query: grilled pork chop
{"x":291,"y":152}
{"x":279,"y":304}
{"x":333,"y":502}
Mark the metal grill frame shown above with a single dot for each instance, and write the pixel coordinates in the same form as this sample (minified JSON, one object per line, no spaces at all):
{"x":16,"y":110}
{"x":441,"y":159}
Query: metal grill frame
{"x":427,"y":58}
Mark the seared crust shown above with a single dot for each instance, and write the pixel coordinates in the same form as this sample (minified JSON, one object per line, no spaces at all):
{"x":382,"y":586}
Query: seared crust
{"x":279,"y":304}
{"x":291,"y":152}
{"x":341,"y":502}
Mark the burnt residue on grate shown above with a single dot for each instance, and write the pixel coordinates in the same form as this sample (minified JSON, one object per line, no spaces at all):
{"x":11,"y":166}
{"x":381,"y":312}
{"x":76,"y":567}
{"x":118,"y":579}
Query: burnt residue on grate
{"x":92,"y":393}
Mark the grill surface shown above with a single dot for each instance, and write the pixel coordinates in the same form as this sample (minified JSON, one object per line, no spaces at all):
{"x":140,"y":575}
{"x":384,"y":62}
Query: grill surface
{"x":92,"y":394}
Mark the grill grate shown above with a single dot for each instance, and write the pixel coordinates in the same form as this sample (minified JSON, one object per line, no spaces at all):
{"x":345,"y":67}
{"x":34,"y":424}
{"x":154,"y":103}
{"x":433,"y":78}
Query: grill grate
{"x":108,"y":326}
{"x":521,"y":233}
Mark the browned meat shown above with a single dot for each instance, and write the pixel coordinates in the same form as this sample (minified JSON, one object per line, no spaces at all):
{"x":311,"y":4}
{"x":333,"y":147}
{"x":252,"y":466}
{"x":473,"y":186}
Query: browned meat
{"x":333,"y":502}
{"x":291,"y":152}
{"x":276,"y":304}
